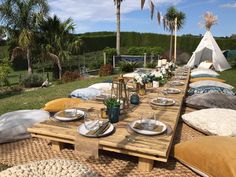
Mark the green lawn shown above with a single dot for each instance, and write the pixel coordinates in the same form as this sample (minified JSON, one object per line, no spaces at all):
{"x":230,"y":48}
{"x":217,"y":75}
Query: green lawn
{"x":37,"y":98}
{"x":229,"y":76}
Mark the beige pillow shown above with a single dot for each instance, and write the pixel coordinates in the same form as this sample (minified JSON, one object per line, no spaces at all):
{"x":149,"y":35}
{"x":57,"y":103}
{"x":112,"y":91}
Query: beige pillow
{"x":210,"y":155}
{"x":61,"y":104}
{"x":214,"y":121}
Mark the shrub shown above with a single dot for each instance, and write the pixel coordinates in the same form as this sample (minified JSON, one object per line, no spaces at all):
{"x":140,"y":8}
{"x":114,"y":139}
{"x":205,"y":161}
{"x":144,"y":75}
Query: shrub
{"x":33,"y":80}
{"x":126,"y":66}
{"x":10,"y":90}
{"x":70,"y":76}
{"x":5,"y":69}
{"x":151,"y":65}
{"x":110,"y":52}
{"x":106,"y":70}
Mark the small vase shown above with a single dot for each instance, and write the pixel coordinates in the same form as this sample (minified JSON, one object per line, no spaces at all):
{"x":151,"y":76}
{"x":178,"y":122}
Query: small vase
{"x":113,"y":114}
{"x":134,"y":99}
{"x":155,"y":84}
{"x":149,"y":85}
{"x":141,"y":89}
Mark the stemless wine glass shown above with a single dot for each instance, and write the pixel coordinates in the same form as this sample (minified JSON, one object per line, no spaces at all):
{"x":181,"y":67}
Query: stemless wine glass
{"x":92,"y":121}
{"x":148,"y":120}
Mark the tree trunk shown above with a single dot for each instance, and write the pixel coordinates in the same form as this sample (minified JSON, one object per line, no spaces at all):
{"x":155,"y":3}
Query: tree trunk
{"x":118,"y":26}
{"x":28,"y":56}
{"x":171,"y":46}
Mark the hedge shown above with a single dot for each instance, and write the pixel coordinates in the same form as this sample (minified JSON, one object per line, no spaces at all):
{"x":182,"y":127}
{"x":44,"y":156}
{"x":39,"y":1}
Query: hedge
{"x":186,"y":43}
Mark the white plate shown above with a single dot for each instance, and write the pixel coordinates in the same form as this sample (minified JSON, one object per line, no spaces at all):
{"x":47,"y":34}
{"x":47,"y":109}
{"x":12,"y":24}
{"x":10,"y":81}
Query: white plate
{"x":162,"y":103}
{"x":172,"y":90}
{"x":177,"y":83}
{"x":83,"y":131}
{"x":79,"y":112}
{"x":147,"y":132}
{"x":181,"y":77}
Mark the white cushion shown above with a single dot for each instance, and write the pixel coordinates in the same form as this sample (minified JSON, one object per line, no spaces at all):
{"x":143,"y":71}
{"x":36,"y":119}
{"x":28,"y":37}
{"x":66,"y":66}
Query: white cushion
{"x":205,"y":65}
{"x":210,"y":83}
{"x":13,"y":125}
{"x":86,"y":93}
{"x":214,"y":121}
{"x":50,"y":168}
{"x":201,"y":71}
{"x":102,"y":86}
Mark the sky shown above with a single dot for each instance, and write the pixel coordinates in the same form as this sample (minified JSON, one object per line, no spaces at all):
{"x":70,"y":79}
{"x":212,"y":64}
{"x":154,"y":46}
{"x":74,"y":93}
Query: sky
{"x":99,"y":15}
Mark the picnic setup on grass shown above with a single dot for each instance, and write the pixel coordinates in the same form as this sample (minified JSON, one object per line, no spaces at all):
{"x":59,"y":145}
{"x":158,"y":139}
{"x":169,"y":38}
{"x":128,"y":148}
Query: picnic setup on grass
{"x":167,"y":120}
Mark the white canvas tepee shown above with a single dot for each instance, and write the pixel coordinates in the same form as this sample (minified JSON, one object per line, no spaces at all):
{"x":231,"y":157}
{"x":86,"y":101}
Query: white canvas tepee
{"x":208,"y":49}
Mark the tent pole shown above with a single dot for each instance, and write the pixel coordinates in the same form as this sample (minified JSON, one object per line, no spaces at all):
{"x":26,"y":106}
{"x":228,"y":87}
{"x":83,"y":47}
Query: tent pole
{"x":175,"y":40}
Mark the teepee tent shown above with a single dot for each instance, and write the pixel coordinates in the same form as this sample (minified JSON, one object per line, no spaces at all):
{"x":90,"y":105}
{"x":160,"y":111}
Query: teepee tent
{"x":208,"y":49}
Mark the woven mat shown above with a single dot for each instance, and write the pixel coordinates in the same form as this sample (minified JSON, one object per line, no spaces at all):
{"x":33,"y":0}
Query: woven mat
{"x":109,"y":164}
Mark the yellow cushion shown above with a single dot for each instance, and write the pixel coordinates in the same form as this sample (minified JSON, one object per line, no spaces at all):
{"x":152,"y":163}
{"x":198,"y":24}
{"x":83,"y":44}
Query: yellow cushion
{"x":61,"y":104}
{"x":206,"y":78}
{"x":211,"y":155}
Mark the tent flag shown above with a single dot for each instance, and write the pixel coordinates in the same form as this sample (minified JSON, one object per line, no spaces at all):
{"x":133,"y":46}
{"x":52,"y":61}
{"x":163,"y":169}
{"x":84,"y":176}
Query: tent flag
{"x":208,"y":49}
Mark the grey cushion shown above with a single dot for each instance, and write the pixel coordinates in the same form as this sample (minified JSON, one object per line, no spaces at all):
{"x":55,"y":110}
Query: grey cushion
{"x":211,"y":100}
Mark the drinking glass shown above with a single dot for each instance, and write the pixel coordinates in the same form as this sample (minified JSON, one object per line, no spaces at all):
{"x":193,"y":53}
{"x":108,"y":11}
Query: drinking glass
{"x":92,"y":120}
{"x":148,"y":120}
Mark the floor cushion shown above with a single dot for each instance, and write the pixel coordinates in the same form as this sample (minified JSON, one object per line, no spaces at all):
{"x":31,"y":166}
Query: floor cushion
{"x":210,"y":89}
{"x":102,"y":86}
{"x":86,"y":93}
{"x":61,"y":104}
{"x":202,"y":75}
{"x":50,"y":168}
{"x":209,"y":156}
{"x":13,"y":125}
{"x":214,"y":121}
{"x":206,"y":78}
{"x":210,"y":83}
{"x":205,"y":65}
{"x":211,"y":100}
{"x":200,"y":71}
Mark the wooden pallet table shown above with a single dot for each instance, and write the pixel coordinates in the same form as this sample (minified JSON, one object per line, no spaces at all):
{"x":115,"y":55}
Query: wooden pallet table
{"x":147,"y":148}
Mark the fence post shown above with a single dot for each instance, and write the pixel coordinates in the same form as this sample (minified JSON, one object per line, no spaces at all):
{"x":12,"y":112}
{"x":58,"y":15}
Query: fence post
{"x":104,"y":58}
{"x":145,"y":60}
{"x":114,"y":61}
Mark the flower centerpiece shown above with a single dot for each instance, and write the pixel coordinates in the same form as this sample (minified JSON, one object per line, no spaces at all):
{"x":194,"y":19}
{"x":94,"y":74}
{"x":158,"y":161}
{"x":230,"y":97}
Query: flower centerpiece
{"x":141,"y":80}
{"x":157,"y":78}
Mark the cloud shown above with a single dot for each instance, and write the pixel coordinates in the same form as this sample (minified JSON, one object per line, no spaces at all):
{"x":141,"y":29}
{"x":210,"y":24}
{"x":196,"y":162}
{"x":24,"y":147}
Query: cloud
{"x":88,"y":12}
{"x":229,"y":5}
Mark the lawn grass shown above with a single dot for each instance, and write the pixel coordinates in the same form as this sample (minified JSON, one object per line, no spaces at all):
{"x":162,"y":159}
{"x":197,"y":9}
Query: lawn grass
{"x":37,"y":98}
{"x":229,"y":76}
{"x":3,"y":167}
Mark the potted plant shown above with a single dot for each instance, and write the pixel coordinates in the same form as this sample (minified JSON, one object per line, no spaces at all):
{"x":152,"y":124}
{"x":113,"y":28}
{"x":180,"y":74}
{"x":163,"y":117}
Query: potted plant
{"x":157,"y":78}
{"x":113,"y":109}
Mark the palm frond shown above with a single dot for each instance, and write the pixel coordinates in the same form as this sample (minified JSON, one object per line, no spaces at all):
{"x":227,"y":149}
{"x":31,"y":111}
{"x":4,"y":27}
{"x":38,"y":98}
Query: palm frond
{"x":152,"y":9}
{"x":142,"y":4}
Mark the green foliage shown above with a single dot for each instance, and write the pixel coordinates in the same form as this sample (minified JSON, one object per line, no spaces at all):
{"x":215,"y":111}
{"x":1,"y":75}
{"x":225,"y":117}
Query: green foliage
{"x":95,"y":43}
{"x":33,"y":80}
{"x":110,"y":52}
{"x":111,"y":103}
{"x":151,"y":65}
{"x":5,"y":69}
{"x":148,"y":50}
{"x":126,"y":66}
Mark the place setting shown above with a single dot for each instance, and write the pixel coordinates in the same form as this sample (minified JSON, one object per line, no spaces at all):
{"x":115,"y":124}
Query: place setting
{"x":148,"y":125}
{"x":177,"y":83}
{"x":94,"y":127}
{"x":71,"y":114}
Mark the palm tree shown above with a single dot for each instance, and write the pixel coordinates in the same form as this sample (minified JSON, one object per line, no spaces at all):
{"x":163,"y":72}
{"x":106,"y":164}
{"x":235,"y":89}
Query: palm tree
{"x":170,"y":16}
{"x":20,"y":18}
{"x":118,"y":4}
{"x":57,"y":41}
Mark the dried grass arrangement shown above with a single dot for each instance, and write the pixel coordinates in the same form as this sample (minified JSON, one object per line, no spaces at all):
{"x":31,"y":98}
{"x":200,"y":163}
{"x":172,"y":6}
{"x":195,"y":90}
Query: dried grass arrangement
{"x":208,"y":20}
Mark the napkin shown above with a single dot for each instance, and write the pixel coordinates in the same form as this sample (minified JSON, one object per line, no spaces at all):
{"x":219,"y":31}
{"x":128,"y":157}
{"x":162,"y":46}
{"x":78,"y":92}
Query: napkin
{"x":157,"y":128}
{"x":101,"y":129}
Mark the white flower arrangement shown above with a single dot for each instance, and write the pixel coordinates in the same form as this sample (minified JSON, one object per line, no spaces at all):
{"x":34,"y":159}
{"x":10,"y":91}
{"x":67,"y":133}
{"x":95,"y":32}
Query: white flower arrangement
{"x":141,"y":79}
